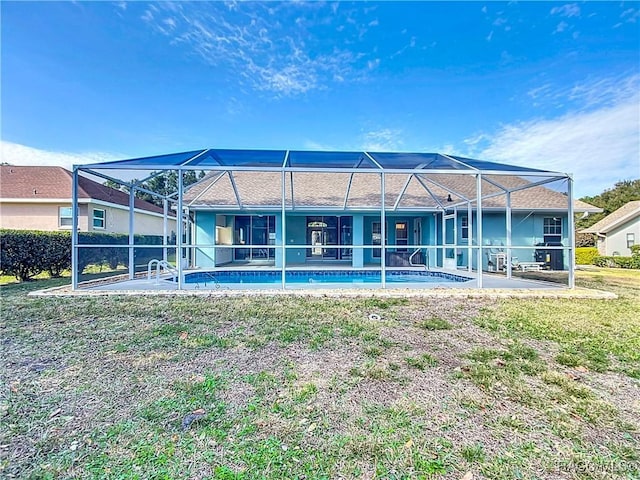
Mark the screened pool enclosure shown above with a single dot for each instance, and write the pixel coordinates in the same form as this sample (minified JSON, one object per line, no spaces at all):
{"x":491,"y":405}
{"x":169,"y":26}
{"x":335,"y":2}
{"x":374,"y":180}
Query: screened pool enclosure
{"x":256,"y":217}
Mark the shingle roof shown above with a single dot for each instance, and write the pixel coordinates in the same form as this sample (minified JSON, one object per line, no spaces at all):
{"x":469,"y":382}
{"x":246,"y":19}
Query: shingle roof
{"x":38,"y":182}
{"x":320,"y":189}
{"x":611,"y":221}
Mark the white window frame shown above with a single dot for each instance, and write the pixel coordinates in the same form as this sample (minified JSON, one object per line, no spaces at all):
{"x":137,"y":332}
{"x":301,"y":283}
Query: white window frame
{"x":631,"y":240}
{"x":464,"y":227}
{"x":68,"y":217}
{"x":103,"y":219}
{"x":555,"y":227}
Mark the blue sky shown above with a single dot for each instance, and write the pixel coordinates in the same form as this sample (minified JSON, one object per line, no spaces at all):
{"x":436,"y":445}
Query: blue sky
{"x":547,"y":84}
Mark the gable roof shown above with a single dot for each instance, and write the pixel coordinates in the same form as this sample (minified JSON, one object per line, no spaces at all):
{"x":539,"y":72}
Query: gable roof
{"x":40,"y":182}
{"x":614,"y":219}
{"x":339,"y":190}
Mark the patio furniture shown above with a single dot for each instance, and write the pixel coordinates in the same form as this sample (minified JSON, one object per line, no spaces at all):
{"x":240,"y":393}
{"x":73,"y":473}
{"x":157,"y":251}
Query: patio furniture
{"x":530,"y":266}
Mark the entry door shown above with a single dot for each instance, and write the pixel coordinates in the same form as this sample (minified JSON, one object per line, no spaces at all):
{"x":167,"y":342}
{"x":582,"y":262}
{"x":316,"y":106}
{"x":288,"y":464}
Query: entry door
{"x":449,"y":238}
{"x":322,"y":232}
{"x":417,"y":238}
{"x":317,"y":242}
{"x":417,"y":231}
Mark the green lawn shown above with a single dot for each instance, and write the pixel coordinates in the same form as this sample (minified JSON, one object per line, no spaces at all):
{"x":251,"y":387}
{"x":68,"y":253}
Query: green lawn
{"x":291,"y":387}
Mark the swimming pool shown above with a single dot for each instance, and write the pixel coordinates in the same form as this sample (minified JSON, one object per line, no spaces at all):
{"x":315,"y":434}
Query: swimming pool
{"x":320,"y":276}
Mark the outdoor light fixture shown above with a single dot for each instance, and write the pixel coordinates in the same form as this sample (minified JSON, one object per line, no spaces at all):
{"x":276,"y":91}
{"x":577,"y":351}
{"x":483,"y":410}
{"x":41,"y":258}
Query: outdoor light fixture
{"x":449,"y":199}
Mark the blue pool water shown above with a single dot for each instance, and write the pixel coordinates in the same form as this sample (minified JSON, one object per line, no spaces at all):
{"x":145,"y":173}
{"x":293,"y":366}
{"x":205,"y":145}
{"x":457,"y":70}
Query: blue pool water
{"x":322,"y":276}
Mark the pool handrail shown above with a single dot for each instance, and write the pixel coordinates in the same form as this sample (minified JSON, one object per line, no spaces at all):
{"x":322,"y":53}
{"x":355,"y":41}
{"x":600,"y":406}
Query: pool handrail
{"x":160,"y":264}
{"x":425,"y":265}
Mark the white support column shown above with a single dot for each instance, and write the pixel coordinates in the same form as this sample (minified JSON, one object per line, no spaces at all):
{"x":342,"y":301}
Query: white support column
{"x":572,"y":236}
{"x":165,"y":226}
{"x":74,"y":229}
{"x":443,"y":237}
{"x":284,"y":230}
{"x":479,"y":220}
{"x":383,"y":234}
{"x":509,"y":232}
{"x":132,"y":204}
{"x":469,"y":238}
{"x":180,"y":229}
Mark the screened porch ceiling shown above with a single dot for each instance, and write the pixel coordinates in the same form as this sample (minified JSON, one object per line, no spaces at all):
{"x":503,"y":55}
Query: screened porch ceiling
{"x":252,"y":179}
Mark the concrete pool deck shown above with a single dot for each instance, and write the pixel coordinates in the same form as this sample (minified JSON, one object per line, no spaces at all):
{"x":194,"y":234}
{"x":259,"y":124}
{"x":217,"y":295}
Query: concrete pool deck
{"x":494,"y":286}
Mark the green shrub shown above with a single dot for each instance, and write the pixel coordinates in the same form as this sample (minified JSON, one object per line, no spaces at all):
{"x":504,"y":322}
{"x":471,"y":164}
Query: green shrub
{"x":586,"y":255}
{"x":21,"y":252}
{"x":26,"y":253}
{"x":118,"y":254}
{"x":57,"y":256}
{"x":618,"y":262}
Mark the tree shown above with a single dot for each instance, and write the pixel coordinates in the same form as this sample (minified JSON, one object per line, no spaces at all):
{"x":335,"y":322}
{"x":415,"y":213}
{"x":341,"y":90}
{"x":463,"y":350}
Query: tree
{"x":166,"y":183}
{"x":610,"y":200}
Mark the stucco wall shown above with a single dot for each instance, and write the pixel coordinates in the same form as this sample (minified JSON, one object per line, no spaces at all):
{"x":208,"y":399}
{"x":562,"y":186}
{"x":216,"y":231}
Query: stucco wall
{"x":527,"y":231}
{"x":616,"y":240}
{"x":117,"y":221}
{"x":34,"y":216}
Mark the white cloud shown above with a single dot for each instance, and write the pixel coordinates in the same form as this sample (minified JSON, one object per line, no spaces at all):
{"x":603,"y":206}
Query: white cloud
{"x":490,"y":36}
{"x":600,"y":146}
{"x":16,"y":154}
{"x":500,"y":21}
{"x":251,"y":40}
{"x":630,"y":15}
{"x":591,"y":93}
{"x":561,"y":27}
{"x":383,"y":140}
{"x":569,"y":10}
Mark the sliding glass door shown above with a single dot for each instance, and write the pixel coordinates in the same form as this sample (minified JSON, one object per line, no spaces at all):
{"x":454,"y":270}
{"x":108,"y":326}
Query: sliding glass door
{"x":254,"y":230}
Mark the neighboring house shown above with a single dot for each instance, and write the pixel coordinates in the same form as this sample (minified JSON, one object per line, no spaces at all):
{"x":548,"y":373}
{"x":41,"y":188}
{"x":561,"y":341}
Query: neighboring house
{"x":618,"y":231}
{"x":39,"y":198}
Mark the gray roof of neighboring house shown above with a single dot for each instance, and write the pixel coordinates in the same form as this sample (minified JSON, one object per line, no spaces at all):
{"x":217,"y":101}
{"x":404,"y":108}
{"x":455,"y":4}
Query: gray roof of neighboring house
{"x":625,"y":213}
{"x":339,"y":190}
{"x":44,"y":182}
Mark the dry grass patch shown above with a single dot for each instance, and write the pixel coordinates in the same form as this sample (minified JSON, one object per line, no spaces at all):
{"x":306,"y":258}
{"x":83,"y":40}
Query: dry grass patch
{"x":291,"y":387}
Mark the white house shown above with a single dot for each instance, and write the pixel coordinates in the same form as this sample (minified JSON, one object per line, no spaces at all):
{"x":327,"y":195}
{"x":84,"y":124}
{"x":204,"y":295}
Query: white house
{"x":618,"y":231}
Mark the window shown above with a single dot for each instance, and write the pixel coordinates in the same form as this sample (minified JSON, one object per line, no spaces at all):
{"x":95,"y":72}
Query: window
{"x":553,"y":226}
{"x":464,"y":224}
{"x":402,"y":235}
{"x":99,"y":216}
{"x":631,"y":240}
{"x":65,"y":215}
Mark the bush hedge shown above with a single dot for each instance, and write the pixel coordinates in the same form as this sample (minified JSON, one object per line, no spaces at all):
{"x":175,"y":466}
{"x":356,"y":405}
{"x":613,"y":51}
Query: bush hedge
{"x":620,"y":262}
{"x":586,"y":255}
{"x":26,"y":253}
